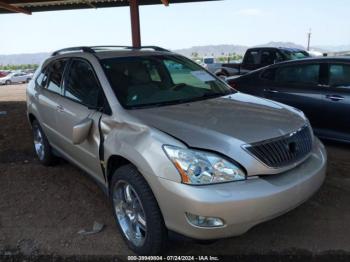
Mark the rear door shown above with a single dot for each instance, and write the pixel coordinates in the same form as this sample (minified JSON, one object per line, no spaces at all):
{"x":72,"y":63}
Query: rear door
{"x":337,"y":97}
{"x":82,"y":96}
{"x":48,"y":89}
{"x":301,"y":86}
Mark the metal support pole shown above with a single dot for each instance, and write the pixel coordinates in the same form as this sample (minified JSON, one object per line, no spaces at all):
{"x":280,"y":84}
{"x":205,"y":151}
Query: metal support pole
{"x":308,"y":40}
{"x":135,"y":23}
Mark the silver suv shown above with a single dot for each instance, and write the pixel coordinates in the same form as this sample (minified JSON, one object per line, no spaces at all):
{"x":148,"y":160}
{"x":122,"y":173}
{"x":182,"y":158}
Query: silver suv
{"x":174,"y":147}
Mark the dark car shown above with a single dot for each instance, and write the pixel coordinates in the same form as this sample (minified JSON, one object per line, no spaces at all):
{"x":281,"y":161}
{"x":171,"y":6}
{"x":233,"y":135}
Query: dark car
{"x":258,"y":57}
{"x":320,"y":87}
{"x":3,"y":74}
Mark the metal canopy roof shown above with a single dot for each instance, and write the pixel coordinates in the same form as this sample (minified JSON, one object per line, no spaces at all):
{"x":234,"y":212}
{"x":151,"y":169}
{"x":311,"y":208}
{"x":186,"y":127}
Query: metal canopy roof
{"x":29,"y":6}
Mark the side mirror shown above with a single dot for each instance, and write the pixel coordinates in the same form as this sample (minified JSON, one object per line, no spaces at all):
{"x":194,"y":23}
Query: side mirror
{"x":81,"y":131}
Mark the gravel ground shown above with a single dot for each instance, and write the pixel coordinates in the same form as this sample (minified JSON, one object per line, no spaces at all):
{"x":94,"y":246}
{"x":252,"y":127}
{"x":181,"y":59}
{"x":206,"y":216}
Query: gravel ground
{"x":43,"y":208}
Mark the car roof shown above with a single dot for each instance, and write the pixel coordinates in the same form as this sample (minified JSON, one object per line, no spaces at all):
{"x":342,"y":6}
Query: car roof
{"x":129,"y":53}
{"x":105,"y":52}
{"x":279,"y":48}
{"x":314,"y":60}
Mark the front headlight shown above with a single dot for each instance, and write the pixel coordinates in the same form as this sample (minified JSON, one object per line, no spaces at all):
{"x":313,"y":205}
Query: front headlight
{"x":199,"y":167}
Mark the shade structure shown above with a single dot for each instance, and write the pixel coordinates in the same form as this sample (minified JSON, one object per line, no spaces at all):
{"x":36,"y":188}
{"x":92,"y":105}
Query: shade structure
{"x":30,"y":6}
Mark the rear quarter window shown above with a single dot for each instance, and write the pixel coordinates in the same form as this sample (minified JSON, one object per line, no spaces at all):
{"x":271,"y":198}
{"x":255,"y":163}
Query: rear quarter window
{"x":42,"y":78}
{"x":55,"y":71}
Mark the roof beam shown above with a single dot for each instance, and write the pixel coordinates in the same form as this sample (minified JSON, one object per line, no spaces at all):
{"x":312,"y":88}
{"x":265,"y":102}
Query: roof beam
{"x":14,"y":8}
{"x":165,"y":2}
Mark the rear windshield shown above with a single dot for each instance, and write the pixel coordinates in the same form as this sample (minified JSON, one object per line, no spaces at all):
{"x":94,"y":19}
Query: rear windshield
{"x":158,"y":80}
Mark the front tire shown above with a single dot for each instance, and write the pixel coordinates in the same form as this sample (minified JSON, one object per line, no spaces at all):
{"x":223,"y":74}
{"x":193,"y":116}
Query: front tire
{"x":41,"y":145}
{"x":8,"y":82}
{"x":136,"y":212}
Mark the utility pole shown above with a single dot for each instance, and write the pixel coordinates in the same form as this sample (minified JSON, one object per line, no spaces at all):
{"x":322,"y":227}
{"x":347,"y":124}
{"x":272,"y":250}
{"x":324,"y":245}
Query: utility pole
{"x":308,"y":39}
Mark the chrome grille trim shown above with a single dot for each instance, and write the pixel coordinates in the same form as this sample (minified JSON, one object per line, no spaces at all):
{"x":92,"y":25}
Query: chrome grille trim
{"x":283,"y":151}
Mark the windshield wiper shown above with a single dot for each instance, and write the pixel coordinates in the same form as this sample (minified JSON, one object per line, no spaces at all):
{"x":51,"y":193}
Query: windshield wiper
{"x":182,"y":101}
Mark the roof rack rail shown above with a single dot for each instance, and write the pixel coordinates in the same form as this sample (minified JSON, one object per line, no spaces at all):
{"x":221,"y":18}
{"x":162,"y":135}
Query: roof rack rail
{"x":73,"y":49}
{"x":92,"y":49}
{"x":155,"y":48}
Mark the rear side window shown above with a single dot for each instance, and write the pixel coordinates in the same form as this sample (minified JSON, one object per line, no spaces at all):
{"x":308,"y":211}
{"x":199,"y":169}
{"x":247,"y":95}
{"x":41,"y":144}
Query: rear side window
{"x":252,"y":57}
{"x":339,"y":75}
{"x":42,"y":78}
{"x":81,"y":84}
{"x":308,"y":74}
{"x":55,"y":71}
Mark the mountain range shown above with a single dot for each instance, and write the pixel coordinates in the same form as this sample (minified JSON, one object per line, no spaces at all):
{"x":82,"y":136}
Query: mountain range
{"x":207,"y":50}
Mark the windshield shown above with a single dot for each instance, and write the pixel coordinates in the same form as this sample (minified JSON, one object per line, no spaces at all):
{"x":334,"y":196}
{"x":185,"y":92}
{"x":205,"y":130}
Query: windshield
{"x":294,"y":55}
{"x":157,"y":80}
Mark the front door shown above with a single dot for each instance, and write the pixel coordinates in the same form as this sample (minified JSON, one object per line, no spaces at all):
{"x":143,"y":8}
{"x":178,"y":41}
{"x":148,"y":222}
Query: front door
{"x":300,"y":86}
{"x":337,"y":98}
{"x":82,"y":96}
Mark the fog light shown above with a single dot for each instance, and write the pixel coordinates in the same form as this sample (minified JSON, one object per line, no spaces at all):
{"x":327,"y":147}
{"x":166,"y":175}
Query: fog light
{"x":201,"y":221}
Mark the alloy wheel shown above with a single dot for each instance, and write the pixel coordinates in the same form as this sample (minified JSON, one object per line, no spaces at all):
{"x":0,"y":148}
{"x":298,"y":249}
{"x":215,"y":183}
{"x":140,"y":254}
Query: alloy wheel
{"x":130,"y":213}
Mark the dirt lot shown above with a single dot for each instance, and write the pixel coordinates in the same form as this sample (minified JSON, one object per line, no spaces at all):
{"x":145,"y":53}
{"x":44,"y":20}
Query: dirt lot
{"x":42,"y":209}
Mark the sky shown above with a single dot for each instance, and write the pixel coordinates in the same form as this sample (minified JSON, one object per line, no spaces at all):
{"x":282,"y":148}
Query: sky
{"x":248,"y":22}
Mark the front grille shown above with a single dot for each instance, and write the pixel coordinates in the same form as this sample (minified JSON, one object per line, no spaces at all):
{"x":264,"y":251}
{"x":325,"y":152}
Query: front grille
{"x":285,"y":150}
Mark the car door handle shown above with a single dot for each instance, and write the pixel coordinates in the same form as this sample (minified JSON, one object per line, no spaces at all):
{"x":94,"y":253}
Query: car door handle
{"x":60,"y":108}
{"x":334,"y":97}
{"x":323,"y":85}
{"x":268,"y":90}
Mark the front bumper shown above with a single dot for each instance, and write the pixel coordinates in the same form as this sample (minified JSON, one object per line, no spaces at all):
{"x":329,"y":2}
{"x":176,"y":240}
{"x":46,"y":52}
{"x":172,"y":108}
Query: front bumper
{"x":240,"y":204}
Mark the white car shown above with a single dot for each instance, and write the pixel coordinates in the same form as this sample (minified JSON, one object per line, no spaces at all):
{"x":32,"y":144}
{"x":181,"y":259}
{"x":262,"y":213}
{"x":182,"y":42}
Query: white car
{"x":15,"y":78}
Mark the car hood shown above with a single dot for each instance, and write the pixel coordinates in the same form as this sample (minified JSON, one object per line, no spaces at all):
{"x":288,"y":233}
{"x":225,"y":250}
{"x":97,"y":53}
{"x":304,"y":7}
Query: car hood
{"x":215,"y":122}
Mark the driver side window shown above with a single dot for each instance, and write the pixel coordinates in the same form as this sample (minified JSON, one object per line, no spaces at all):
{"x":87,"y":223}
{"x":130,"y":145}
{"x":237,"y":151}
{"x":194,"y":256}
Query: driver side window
{"x":82,"y":86}
{"x":305,"y":74}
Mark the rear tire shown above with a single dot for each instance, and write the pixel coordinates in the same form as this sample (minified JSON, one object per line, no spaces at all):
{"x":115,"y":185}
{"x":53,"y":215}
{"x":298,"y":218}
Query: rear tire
{"x":136,"y":212}
{"x":41,"y":145}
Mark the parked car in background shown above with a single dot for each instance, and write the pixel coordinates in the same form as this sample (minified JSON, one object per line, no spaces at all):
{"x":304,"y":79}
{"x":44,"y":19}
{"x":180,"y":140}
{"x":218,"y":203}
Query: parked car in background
{"x":18,"y":77}
{"x":320,"y":87}
{"x":3,"y":74}
{"x":258,"y":57}
{"x":212,"y":66}
{"x":174,"y":147}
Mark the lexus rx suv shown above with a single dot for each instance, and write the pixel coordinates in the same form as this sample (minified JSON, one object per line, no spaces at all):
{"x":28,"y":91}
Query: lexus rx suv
{"x":174,"y":147}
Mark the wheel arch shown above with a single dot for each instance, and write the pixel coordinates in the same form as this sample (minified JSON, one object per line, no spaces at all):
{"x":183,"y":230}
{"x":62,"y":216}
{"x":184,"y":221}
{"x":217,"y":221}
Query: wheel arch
{"x":31,"y":118}
{"x":113,"y":163}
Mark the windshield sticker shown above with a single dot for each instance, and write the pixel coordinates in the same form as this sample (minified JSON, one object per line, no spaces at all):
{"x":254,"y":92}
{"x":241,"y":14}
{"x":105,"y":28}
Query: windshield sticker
{"x":202,"y":76}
